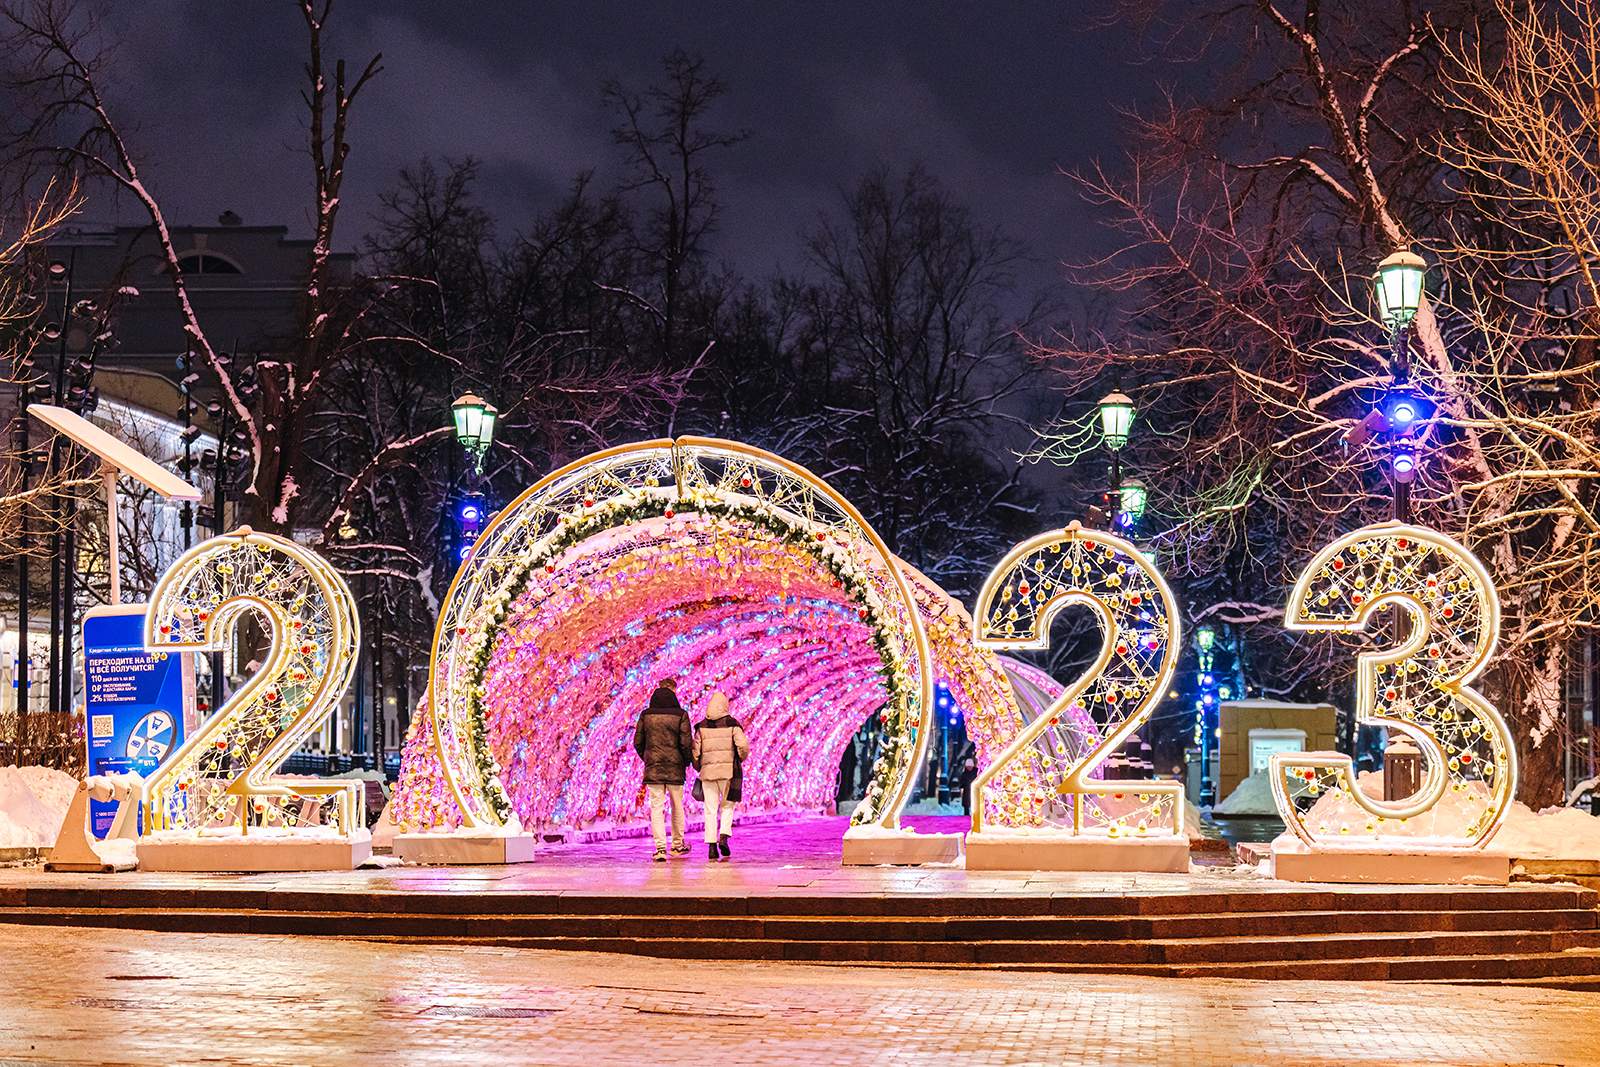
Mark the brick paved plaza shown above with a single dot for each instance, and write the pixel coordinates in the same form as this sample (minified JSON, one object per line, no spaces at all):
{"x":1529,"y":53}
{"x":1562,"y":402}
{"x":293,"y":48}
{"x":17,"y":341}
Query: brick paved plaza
{"x":121,"y":997}
{"x":172,"y":995}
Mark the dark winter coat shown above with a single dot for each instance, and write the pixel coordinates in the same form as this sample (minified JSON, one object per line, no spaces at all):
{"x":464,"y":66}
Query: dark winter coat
{"x":664,"y":739}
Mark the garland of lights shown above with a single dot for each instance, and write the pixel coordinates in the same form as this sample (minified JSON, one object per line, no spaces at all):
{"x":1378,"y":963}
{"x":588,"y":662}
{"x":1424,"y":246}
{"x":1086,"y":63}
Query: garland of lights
{"x":644,"y":506}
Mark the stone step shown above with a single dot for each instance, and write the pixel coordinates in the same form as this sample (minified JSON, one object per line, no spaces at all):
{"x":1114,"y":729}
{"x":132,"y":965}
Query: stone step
{"x":1286,"y":930}
{"x":1575,"y":968}
{"x":1191,"y":907}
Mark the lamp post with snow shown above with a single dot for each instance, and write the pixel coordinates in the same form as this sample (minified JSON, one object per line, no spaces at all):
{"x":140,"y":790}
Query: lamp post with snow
{"x":1116,"y":420}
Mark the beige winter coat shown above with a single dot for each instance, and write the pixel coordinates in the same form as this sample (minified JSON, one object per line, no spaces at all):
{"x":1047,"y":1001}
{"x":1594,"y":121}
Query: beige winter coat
{"x":716,"y":739}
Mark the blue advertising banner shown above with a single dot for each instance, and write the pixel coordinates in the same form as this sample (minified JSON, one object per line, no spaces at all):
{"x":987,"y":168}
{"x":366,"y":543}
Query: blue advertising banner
{"x":138,"y":704}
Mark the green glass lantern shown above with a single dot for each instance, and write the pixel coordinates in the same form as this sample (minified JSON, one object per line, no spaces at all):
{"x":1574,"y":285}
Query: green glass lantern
{"x":1116,"y":419}
{"x":1398,"y":285}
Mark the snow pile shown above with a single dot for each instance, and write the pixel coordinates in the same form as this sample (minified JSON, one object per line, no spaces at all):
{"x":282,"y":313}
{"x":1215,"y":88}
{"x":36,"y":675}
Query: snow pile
{"x":119,"y":851}
{"x":53,"y":788}
{"x":1552,"y":834}
{"x":1253,"y":796}
{"x":26,"y":819}
{"x":1449,"y":818}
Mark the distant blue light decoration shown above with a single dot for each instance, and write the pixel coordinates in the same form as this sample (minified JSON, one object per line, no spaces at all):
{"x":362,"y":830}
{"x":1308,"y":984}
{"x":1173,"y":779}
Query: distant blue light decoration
{"x":469,"y":516}
{"x":943,"y":701}
{"x":1404,"y":408}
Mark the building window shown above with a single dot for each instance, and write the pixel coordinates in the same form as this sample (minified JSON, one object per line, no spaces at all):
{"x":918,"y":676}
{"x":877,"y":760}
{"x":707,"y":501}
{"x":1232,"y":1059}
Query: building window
{"x":207,"y":263}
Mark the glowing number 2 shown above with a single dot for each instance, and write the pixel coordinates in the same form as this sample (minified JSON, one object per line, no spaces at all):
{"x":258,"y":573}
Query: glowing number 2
{"x":1420,"y":689}
{"x":312,"y":618}
{"x":1138,"y":655}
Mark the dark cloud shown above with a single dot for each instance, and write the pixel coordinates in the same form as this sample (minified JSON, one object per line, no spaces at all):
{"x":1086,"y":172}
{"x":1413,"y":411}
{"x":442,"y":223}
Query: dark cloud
{"x":993,"y":98}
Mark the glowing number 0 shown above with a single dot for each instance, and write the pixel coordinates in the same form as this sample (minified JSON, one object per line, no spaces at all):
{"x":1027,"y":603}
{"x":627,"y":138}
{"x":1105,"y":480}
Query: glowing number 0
{"x":1420,"y":689}
{"x":1138,"y":655}
{"x":312,"y":619}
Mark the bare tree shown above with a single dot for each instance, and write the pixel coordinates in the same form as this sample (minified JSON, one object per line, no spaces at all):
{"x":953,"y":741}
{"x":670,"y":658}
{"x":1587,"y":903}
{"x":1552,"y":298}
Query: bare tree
{"x":60,"y":79}
{"x":666,"y":147}
{"x":1255,"y":219}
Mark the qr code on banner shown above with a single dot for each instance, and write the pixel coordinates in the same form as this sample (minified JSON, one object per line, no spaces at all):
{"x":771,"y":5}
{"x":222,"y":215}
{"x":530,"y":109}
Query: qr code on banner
{"x":102,"y":725}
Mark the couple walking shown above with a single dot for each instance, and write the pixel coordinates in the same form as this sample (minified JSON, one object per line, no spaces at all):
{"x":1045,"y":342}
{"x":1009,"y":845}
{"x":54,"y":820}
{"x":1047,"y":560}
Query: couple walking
{"x":668,"y":745}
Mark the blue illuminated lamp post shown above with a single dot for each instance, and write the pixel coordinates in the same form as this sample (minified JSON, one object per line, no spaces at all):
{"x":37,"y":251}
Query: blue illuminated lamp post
{"x":475,"y":420}
{"x":1205,"y":637}
{"x":1116,"y":420}
{"x":1398,"y":287}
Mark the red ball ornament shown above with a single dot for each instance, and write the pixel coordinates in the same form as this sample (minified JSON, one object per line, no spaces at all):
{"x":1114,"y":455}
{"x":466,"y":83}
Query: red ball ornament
{"x":1448,"y":612}
{"x":1401,"y":542}
{"x":1023,"y":589}
{"x":1338,"y":564}
{"x":669,"y":513}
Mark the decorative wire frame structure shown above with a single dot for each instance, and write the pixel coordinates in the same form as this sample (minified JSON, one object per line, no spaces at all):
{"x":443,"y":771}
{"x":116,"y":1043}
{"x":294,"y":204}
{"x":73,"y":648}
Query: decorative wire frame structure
{"x":683,"y":474}
{"x":223,"y":773}
{"x":1140,"y":637}
{"x":1422,"y":688}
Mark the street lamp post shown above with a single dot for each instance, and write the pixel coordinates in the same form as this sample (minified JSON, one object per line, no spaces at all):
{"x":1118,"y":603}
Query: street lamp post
{"x":1116,"y":419}
{"x":1205,"y":638}
{"x":1398,"y":288}
{"x":475,"y":420}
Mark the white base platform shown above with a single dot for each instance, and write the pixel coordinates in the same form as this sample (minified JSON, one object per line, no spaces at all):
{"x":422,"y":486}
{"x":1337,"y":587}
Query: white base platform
{"x":901,"y":849}
{"x":251,"y":853}
{"x":1059,"y":852}
{"x":1376,"y":865}
{"x":457,"y":849}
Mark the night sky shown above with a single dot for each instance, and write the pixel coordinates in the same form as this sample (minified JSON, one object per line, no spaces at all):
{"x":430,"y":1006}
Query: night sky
{"x":994,"y":98}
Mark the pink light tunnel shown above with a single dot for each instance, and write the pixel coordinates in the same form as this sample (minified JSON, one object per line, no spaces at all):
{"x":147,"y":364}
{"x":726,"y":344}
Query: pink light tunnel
{"x":717,"y":604}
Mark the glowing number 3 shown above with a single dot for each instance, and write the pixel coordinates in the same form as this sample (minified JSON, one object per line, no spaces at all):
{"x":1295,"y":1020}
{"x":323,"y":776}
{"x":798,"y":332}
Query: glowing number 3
{"x":312,"y":618}
{"x":1138,"y":655}
{"x":1420,"y":689}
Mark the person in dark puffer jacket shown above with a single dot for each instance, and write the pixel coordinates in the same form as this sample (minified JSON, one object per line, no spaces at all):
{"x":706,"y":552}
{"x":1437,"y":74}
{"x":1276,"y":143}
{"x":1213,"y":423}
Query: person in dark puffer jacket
{"x":665,"y":741}
{"x":719,"y":747}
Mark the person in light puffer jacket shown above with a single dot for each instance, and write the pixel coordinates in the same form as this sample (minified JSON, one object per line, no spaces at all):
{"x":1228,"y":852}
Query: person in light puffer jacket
{"x":719,"y":746}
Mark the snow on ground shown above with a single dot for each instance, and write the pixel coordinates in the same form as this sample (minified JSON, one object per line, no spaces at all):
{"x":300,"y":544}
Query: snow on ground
{"x":1252,"y":796}
{"x":33,"y":804}
{"x":1552,"y":834}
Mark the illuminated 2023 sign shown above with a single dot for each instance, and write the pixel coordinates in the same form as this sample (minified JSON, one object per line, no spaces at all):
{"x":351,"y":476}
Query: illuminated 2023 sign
{"x":1420,"y":688}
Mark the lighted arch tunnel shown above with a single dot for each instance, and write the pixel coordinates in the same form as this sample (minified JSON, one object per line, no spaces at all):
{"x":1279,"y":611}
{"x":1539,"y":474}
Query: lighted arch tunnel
{"x":718,"y":606}
{"x":715,"y":580}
